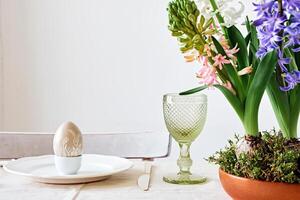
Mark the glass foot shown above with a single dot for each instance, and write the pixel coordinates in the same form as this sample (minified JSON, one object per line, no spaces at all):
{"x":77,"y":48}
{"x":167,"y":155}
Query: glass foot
{"x":184,"y":179}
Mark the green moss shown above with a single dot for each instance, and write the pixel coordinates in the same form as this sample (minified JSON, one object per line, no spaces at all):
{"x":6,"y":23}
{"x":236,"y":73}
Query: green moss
{"x":274,"y":158}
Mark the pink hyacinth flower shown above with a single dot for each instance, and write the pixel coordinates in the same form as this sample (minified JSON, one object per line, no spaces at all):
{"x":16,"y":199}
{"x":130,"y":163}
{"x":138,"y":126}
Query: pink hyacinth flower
{"x":230,"y":52}
{"x":207,"y":50}
{"x":206,"y":73}
{"x":224,"y":43}
{"x":229,"y":87}
{"x":207,"y":76}
{"x":220,"y":60}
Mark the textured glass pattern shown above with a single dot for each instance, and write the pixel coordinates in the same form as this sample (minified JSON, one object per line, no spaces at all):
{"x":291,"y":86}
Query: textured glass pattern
{"x":185,"y":116}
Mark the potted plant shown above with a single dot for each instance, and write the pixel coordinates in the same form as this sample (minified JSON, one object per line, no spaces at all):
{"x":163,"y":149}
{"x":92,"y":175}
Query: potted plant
{"x":283,"y":89}
{"x":242,"y":68}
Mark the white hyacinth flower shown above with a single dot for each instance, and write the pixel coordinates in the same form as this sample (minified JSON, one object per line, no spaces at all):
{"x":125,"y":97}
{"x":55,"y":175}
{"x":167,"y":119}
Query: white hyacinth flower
{"x":230,"y":10}
{"x":205,"y":8}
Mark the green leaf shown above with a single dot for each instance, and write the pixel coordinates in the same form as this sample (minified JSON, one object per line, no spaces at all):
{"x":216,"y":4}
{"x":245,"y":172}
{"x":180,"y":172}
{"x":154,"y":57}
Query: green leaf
{"x":294,"y":116}
{"x":254,"y":62}
{"x":247,"y":22}
{"x":247,"y":38}
{"x":254,"y":37}
{"x":297,"y":57}
{"x":280,"y":104}
{"x":236,"y":38}
{"x":245,"y":79}
{"x":294,"y":97}
{"x":233,"y":100}
{"x":218,"y":46}
{"x":293,"y":65}
{"x":194,"y":90}
{"x":253,"y":47}
{"x":252,"y":29}
{"x":256,"y":90}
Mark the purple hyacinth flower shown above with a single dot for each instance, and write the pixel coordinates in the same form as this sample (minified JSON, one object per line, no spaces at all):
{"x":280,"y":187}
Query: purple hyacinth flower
{"x":261,"y":52}
{"x":259,"y":21}
{"x":291,"y":79}
{"x":295,"y":16}
{"x":266,"y":6}
{"x":269,"y":25}
{"x":296,"y":49}
{"x":293,"y":33}
{"x":275,"y":29}
{"x":282,"y":61}
{"x":292,"y":4}
{"x":276,"y":22}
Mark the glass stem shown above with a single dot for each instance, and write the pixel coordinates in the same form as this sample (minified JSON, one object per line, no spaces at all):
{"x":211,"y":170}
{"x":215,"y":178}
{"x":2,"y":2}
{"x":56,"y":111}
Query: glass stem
{"x":184,"y":161}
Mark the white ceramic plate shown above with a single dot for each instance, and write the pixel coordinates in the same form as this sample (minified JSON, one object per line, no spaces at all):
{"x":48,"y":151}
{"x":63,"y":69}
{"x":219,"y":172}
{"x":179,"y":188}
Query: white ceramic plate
{"x":93,"y":168}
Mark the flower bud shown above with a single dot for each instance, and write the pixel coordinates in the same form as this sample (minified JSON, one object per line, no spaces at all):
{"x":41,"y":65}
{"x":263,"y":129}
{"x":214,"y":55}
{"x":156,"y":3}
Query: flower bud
{"x":246,"y":70}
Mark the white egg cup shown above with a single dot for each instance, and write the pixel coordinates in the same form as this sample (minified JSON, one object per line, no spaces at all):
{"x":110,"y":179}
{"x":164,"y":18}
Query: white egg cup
{"x":67,"y":165}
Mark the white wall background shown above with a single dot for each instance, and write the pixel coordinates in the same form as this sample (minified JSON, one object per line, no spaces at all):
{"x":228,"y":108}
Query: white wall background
{"x":102,"y":64}
{"x":1,"y":75}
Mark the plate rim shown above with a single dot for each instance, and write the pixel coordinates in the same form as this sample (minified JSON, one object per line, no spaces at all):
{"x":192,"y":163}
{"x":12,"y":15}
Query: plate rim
{"x":129,"y":164}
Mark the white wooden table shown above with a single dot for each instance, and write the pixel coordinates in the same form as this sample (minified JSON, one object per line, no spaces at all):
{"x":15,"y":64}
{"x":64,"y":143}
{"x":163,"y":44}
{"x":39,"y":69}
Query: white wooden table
{"x":121,"y":186}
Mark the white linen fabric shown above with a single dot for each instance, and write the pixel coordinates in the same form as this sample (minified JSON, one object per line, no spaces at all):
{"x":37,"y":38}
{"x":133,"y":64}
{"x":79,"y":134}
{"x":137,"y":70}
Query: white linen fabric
{"x":120,"y":186}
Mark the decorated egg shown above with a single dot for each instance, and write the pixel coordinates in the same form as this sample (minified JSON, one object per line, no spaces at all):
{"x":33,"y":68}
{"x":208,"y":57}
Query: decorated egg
{"x":67,"y":141}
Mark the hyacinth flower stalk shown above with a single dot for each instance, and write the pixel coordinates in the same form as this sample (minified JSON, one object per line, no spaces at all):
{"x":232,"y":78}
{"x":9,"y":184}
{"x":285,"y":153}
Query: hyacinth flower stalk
{"x":278,"y":29}
{"x":226,"y":61}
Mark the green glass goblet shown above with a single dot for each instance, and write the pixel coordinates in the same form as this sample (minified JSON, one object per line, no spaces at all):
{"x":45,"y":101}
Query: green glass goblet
{"x":185,"y":116}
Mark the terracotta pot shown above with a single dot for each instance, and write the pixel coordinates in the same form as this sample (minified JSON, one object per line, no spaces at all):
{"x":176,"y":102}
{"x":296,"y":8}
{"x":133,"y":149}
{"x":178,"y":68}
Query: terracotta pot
{"x":247,"y":189}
